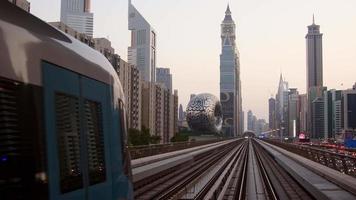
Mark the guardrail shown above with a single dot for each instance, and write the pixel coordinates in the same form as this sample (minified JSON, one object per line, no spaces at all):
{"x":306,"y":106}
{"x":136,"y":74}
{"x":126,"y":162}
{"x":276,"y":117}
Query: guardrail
{"x":343,"y":163}
{"x":150,"y":150}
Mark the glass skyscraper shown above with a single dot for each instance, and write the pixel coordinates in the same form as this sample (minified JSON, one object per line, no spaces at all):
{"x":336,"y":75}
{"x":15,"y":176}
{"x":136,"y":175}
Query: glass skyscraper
{"x":76,"y":14}
{"x":230,"y":84}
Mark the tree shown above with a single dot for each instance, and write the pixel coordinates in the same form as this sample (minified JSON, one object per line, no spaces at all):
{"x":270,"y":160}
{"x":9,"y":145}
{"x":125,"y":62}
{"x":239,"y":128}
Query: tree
{"x":143,"y":137}
{"x":180,"y":137}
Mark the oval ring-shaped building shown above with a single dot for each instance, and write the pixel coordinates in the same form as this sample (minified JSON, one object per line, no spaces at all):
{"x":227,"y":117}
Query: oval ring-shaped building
{"x":204,"y":113}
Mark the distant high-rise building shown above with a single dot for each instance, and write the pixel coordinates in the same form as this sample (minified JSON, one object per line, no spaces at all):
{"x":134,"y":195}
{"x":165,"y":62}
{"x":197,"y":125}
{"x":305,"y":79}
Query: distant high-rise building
{"x":181,"y":113}
{"x":332,"y":113}
{"x":242,"y":121}
{"x":293,"y":113}
{"x":230,"y":83}
{"x":314,"y":56}
{"x":315,"y":93}
{"x":23,"y":4}
{"x":261,"y":126}
{"x":349,"y":109}
{"x":164,"y":76}
{"x":282,"y":107}
{"x":250,"y":120}
{"x":165,"y":124}
{"x":142,"y":51}
{"x":314,"y":52}
{"x":318,"y":120}
{"x":303,"y":101}
{"x":76,"y":14}
{"x":175,"y":112}
{"x":272,"y":113}
{"x":142,"y":54}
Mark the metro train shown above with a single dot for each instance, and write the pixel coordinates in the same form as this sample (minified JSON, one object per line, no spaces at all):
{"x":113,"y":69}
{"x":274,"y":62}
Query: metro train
{"x":62,"y":116}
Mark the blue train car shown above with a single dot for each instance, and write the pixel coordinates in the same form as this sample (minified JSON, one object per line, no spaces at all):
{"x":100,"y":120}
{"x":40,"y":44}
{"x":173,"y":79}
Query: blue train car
{"x":62,"y":116}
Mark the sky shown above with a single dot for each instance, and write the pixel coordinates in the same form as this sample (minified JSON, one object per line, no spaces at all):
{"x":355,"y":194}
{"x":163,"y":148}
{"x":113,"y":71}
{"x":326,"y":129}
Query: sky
{"x":270,"y":39}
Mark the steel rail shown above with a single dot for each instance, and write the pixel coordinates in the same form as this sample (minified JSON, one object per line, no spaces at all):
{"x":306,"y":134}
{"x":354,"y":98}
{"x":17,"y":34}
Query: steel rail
{"x":213,"y":188}
{"x":266,"y":179}
{"x":168,"y":185}
{"x":286,"y":187}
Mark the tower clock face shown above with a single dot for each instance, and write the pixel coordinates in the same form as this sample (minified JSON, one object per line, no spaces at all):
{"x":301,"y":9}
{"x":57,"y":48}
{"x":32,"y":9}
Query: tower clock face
{"x":228,"y":29}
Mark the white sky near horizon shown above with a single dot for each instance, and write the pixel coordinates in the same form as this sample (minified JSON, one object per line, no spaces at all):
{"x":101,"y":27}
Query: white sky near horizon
{"x":270,"y":39}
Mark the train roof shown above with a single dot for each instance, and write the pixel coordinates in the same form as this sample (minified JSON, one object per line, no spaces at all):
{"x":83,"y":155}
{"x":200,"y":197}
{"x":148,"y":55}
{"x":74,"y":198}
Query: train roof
{"x":26,"y":41}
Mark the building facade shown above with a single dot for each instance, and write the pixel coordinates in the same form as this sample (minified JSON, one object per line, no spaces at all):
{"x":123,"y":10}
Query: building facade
{"x":314,"y":53}
{"x":314,"y":56}
{"x":303,"y":101}
{"x":332,"y":113}
{"x":72,"y":32}
{"x":293,"y":113}
{"x":130,"y":80}
{"x":142,"y":54}
{"x":147,"y":106}
{"x":282,"y":107}
{"x":164,"y":76}
{"x":142,"y":51}
{"x":175,"y":113}
{"x":23,"y":4}
{"x":230,"y":83}
{"x":315,"y":97}
{"x":250,"y":121}
{"x":272,"y":113}
{"x":76,"y":14}
{"x":318,"y":121}
{"x":349,"y":109}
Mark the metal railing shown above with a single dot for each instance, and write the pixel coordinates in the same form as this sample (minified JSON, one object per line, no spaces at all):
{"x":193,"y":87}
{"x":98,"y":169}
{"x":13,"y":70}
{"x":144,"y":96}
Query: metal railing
{"x":155,"y":149}
{"x":343,"y":163}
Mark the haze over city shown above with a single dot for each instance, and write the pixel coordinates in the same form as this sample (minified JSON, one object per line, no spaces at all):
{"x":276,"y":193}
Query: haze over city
{"x":270,"y":39}
{"x":177,"y":99}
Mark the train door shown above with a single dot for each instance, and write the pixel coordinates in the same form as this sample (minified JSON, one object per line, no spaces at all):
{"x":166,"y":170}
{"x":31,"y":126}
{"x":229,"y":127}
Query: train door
{"x":76,"y":111}
{"x":96,"y":111}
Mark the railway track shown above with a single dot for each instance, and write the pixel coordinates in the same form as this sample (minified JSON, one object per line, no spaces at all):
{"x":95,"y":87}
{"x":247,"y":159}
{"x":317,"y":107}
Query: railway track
{"x":171,"y":184}
{"x":239,"y":170}
{"x":279,"y":184}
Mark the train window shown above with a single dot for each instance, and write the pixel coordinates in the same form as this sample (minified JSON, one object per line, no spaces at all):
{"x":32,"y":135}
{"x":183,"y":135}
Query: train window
{"x":68,"y":134}
{"x":95,"y":141}
{"x":22,"y":156}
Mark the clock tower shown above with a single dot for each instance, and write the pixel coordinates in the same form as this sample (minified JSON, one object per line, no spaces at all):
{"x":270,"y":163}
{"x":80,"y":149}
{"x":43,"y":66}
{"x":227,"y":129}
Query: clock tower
{"x":228,"y":29}
{"x":230,"y":83}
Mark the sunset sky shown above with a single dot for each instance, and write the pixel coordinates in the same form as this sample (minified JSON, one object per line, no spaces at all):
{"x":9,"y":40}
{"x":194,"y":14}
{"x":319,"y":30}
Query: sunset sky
{"x":270,"y":38}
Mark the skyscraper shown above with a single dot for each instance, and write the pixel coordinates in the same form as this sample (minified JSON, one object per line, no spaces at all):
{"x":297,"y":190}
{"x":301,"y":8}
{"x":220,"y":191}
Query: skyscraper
{"x":272,"y":113}
{"x":314,"y":56}
{"x":230,"y":83}
{"x":181,"y":113}
{"x":332,"y":113}
{"x":142,"y":51}
{"x":282,"y":107}
{"x":314,"y":52}
{"x":142,"y":54}
{"x":249,"y":120}
{"x":349,"y":109}
{"x":318,"y":121}
{"x":303,"y":104}
{"x":293,"y":113}
{"x":76,"y":14}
